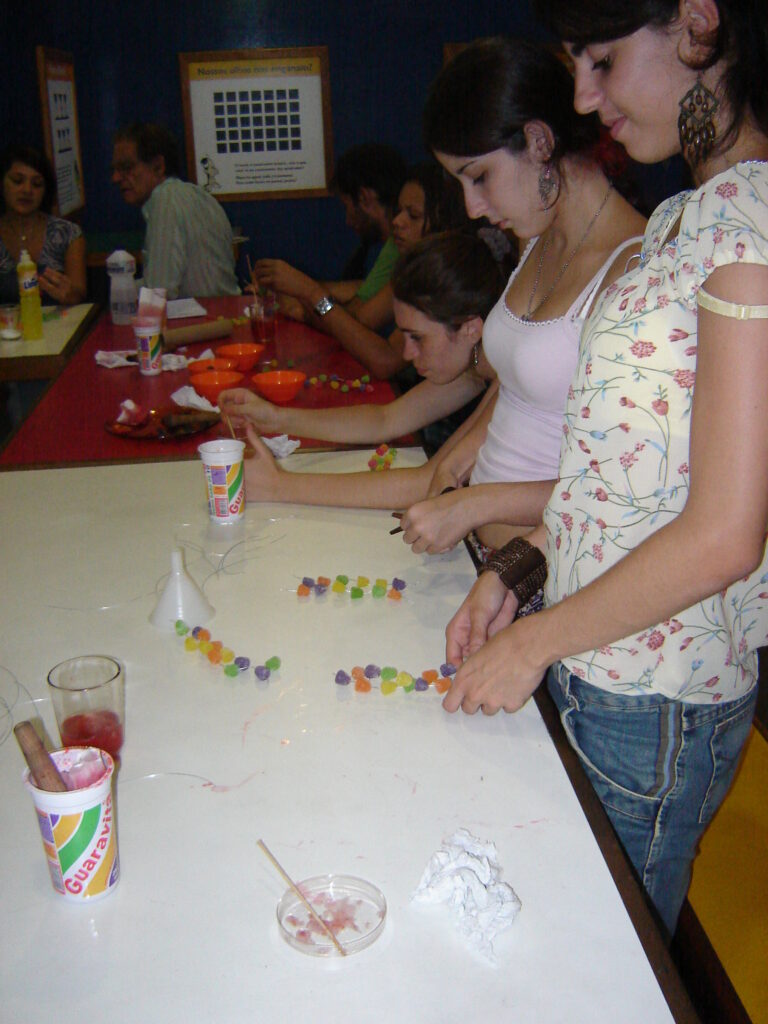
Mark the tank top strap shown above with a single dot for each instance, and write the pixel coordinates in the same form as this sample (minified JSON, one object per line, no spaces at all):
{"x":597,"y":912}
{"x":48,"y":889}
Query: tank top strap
{"x":588,"y":295}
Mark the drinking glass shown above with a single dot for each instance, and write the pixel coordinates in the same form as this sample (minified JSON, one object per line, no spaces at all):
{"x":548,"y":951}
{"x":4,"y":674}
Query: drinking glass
{"x":88,"y":695}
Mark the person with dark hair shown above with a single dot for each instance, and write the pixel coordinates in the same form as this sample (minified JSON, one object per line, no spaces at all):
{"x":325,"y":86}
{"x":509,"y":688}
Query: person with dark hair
{"x":443,"y":287}
{"x":423,"y":206}
{"x":654,"y":536}
{"x":368,"y":179}
{"x":188,"y":248}
{"x":499,"y":117}
{"x":56,"y":245}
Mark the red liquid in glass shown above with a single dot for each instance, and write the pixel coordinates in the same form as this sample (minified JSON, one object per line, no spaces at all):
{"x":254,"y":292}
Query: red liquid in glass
{"x":100,"y":729}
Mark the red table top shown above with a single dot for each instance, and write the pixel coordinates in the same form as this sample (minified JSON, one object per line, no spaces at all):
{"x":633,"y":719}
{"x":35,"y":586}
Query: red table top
{"x":67,"y":427}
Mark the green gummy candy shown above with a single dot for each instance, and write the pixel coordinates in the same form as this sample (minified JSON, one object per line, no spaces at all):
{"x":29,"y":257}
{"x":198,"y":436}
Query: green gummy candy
{"x":388,"y":672}
{"x":342,"y":579}
{"x":181,"y":627}
{"x":409,"y":687}
{"x":272,"y":663}
{"x":231,"y":670}
{"x":378,"y":591}
{"x":356,"y":592}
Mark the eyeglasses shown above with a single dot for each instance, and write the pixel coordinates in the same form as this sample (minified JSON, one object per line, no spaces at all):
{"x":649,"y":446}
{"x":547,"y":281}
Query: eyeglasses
{"x":124,"y":167}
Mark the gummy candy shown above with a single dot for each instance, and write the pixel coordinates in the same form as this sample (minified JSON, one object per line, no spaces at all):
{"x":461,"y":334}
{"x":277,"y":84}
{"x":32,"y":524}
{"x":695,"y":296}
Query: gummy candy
{"x":345,"y":388}
{"x":262,"y":672}
{"x":388,"y":672}
{"x":394,"y":595}
{"x":190,"y":644}
{"x":227,"y":655}
{"x":206,"y":646}
{"x":378,"y":591}
{"x":388,"y":687}
{"x":308,"y":582}
{"x":356,"y":592}
{"x":242,"y":664}
{"x":217,"y":644}
{"x":362,"y":685}
{"x":363,"y":581}
{"x":442,"y":685}
{"x":365,"y":378}
{"x":342,"y":678}
{"x":381,"y":583}
{"x":203,"y":634}
{"x":273,"y":663}
{"x":323,"y":581}
{"x":430,"y":675}
{"x":409,"y":686}
{"x":302,"y":590}
{"x":382,"y":449}
{"x":398,"y":584}
{"x":214,"y":656}
{"x":372,"y":671}
{"x":421,"y":684}
{"x":339,"y":587}
{"x":320,"y":589}
{"x":447,"y":669}
{"x":342,"y":579}
{"x":357,"y":672}
{"x":334,"y":384}
{"x":403,"y":679}
{"x":231,"y":670}
{"x":181,"y":627}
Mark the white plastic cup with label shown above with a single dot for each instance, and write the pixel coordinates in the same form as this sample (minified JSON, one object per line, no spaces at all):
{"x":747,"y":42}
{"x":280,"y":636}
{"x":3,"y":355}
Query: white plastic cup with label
{"x":78,"y":827}
{"x":224,"y":479}
{"x":149,"y":348}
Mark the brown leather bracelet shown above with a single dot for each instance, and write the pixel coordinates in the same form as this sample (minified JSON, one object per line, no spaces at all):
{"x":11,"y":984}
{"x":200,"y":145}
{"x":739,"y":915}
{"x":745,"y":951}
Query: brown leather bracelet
{"x":520,"y":566}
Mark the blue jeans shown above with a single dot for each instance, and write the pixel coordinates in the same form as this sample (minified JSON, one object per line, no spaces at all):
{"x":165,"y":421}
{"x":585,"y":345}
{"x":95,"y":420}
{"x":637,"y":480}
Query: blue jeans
{"x":661,"y":769}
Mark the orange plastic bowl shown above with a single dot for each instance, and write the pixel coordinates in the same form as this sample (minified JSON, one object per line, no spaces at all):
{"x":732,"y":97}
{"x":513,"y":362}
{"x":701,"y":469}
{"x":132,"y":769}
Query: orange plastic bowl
{"x":212,"y":365}
{"x":279,"y":385}
{"x":209,"y":384}
{"x":244,"y":354}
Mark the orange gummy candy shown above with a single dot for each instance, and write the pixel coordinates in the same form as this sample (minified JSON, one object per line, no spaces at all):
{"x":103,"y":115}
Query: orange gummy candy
{"x":302,"y":590}
{"x":362,"y":685}
{"x":442,"y":685}
{"x":429,"y":675}
{"x":358,"y":672}
{"x":395,"y":595}
{"x":323,"y":581}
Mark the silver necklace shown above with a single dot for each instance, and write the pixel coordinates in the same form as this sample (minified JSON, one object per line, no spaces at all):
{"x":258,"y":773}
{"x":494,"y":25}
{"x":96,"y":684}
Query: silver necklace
{"x":530,"y":311}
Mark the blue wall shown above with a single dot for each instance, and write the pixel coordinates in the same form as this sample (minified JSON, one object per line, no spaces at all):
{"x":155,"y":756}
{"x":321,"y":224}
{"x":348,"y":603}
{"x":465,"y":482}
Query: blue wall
{"x":382,"y":54}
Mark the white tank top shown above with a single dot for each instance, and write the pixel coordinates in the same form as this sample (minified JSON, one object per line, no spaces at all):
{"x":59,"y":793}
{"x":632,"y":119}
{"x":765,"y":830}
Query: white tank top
{"x":534,"y":361}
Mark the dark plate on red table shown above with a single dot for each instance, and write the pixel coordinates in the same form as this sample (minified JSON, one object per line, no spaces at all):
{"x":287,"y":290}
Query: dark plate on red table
{"x":166,"y":424}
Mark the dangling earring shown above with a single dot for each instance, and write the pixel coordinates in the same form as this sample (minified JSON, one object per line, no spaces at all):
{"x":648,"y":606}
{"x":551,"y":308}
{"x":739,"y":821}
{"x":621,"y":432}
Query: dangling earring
{"x":696,"y":124}
{"x":549,"y":186}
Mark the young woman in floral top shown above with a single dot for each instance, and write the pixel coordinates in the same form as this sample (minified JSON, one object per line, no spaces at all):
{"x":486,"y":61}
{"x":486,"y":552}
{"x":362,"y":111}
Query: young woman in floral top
{"x":657,"y":586}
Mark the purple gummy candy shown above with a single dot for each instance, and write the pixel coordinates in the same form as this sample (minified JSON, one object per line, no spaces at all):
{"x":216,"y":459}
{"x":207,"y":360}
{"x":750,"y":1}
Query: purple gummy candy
{"x":447,"y":670}
{"x":342,"y":678}
{"x":196,"y":631}
{"x":308,"y":582}
{"x":421,"y":684}
{"x":372,"y":671}
{"x":262,"y":672}
{"x":243,"y":664}
{"x":320,"y":588}
{"x":398,"y":584}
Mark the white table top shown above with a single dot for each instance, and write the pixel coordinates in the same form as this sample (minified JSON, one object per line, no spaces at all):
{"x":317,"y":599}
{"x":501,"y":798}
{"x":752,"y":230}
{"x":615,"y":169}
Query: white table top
{"x":59,"y":325}
{"x":332,"y":780}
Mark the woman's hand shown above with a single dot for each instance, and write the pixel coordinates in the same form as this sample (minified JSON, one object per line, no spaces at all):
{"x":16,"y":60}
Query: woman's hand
{"x":502,"y":674}
{"x":486,"y":609}
{"x":242,"y":407}
{"x":262,"y":474}
{"x":282,"y":277}
{"x":437,"y":524}
{"x":59,"y":287}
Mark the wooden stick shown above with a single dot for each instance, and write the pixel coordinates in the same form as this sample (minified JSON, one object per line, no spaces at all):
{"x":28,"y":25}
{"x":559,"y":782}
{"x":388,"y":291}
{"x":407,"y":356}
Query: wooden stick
{"x":228,"y":424}
{"x":301,"y":896}
{"x":44,"y":773}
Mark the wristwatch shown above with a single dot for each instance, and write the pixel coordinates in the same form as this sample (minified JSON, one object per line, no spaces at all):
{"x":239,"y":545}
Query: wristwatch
{"x":325,"y":305}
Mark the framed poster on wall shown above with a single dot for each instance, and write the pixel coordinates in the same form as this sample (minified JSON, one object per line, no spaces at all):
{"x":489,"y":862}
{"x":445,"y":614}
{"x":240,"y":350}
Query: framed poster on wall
{"x":61,"y":132}
{"x":258,"y":122}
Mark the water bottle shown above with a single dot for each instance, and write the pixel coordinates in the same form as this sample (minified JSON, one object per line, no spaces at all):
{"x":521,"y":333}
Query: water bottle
{"x":123,"y":296}
{"x":29,"y":298}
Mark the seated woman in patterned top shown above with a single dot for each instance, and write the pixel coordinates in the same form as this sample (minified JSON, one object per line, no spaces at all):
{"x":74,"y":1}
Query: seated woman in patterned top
{"x":57,"y":246}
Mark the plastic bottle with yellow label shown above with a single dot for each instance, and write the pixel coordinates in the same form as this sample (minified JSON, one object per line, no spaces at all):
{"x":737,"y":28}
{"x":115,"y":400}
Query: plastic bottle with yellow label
{"x":29,"y":298}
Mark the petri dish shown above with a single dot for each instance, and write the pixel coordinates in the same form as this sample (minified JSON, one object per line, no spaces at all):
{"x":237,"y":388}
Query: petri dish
{"x":354,"y":910}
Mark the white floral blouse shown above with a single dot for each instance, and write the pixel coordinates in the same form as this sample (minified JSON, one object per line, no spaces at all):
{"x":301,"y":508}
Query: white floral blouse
{"x":624,"y":456}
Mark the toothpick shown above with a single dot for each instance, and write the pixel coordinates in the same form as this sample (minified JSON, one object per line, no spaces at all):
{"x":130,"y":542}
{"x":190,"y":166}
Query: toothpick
{"x":228,"y":424}
{"x":260,"y":843}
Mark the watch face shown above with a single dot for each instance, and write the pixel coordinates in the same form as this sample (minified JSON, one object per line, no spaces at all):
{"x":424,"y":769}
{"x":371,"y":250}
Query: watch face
{"x":323,"y":306}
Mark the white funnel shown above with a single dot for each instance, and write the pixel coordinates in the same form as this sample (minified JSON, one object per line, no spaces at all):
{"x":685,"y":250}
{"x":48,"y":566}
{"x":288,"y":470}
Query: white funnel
{"x":181,"y":599}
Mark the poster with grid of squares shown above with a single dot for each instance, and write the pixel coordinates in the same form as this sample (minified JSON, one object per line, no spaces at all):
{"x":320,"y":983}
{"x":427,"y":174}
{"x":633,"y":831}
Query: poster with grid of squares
{"x":258,"y":122}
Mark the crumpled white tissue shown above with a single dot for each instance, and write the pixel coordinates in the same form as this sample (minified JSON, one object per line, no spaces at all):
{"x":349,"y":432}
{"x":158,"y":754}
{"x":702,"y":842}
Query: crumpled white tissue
{"x":465,"y":874}
{"x":121,"y":357}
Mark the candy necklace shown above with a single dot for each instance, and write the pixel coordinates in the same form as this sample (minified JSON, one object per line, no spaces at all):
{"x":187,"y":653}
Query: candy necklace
{"x":530,"y":311}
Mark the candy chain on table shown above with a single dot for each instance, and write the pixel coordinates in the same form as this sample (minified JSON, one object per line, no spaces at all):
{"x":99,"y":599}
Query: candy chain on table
{"x":382,"y":458}
{"x":332,"y":380}
{"x":391,"y":679}
{"x":356,"y":590}
{"x":199,"y":639}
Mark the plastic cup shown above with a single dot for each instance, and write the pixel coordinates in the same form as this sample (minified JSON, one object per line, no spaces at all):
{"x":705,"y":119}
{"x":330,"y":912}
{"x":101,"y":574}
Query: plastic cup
{"x":149,"y":347}
{"x":78,"y":827}
{"x":9,"y":322}
{"x":88,"y":696}
{"x":263,"y":315}
{"x":224,"y":479}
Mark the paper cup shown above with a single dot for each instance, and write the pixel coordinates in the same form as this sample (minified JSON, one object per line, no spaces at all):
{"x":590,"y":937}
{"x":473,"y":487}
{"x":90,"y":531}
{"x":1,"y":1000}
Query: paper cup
{"x":149,"y":346}
{"x":224,"y":479}
{"x":78,"y":827}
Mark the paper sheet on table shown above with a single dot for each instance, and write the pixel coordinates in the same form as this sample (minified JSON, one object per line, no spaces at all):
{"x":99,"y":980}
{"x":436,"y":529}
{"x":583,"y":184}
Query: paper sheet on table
{"x":177,"y":309}
{"x":280,"y":446}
